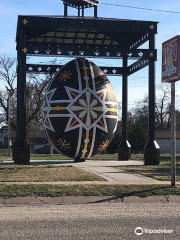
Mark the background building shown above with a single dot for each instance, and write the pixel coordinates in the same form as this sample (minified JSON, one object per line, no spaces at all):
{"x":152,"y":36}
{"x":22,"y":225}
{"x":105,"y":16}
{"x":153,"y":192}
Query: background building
{"x":164,"y":140}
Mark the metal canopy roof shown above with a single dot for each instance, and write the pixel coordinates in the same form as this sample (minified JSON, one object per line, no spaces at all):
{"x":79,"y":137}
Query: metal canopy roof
{"x":60,"y":35}
{"x":80,"y":3}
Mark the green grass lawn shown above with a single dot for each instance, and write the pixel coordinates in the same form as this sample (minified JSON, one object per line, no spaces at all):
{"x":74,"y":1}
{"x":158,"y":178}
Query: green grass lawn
{"x":21,"y":173}
{"x":160,"y":172}
{"x":18,"y":173}
{"x":60,"y":157}
{"x":107,"y":157}
{"x":86,"y":190}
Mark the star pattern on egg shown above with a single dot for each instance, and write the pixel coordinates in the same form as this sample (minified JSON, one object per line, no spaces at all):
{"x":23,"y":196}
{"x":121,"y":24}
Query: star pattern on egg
{"x":88,"y":110}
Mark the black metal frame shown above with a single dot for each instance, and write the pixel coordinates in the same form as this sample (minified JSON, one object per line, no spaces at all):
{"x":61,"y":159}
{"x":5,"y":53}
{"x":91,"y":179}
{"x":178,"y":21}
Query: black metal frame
{"x":87,"y":37}
{"x":80,"y":5}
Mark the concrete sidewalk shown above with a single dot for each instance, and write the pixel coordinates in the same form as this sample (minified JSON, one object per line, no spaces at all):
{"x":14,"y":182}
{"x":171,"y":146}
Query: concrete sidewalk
{"x":68,"y":200}
{"x":108,"y":171}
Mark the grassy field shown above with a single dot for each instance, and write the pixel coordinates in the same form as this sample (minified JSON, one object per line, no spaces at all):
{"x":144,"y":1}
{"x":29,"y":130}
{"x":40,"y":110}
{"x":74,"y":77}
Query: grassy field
{"x":86,"y":190}
{"x":61,"y":157}
{"x":107,"y":157}
{"x":35,"y":173}
{"x":44,"y":174}
{"x":160,"y":172}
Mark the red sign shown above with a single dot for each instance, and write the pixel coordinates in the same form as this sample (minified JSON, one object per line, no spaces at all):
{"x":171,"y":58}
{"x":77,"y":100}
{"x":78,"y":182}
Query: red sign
{"x":171,"y":60}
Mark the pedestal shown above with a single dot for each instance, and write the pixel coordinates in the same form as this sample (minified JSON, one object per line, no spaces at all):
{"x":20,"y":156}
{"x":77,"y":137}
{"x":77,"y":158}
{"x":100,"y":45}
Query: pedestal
{"x":151,"y":153}
{"x":124,"y":151}
{"x":76,"y":160}
{"x":21,"y":152}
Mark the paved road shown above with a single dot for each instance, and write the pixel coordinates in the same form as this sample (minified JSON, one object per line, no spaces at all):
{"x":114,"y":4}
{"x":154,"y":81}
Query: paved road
{"x":109,"y":221}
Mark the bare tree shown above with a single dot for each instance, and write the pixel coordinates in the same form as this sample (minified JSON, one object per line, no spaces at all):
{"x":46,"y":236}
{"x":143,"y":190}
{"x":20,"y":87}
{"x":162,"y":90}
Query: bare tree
{"x":35,"y":90}
{"x":8,"y":76}
{"x":140,"y":112}
{"x":163,"y":107}
{"x":36,"y":86}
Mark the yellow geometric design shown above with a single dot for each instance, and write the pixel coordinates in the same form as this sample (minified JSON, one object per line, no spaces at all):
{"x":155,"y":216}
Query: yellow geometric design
{"x":64,"y":145}
{"x":151,"y":54}
{"x":75,"y":121}
{"x":48,"y":123}
{"x":101,"y":95}
{"x":103,"y":145}
{"x":112,"y":109}
{"x":74,"y":94}
{"x":25,"y":50}
{"x":58,"y":108}
{"x":86,"y":74}
{"x":101,"y":123}
{"x":86,"y":144}
{"x":25,"y":22}
{"x":66,"y":75}
{"x":152,"y":27}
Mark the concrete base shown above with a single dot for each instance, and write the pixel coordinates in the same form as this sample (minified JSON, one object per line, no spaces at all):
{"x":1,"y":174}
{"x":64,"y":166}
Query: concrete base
{"x":76,"y":160}
{"x":151,"y":153}
{"x":21,"y":152}
{"x":124,"y":151}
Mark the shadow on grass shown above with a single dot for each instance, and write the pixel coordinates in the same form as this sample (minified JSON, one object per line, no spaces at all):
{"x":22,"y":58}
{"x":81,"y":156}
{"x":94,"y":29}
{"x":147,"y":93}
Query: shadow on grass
{"x":39,"y":163}
{"x":50,"y":162}
{"x":168,"y":158}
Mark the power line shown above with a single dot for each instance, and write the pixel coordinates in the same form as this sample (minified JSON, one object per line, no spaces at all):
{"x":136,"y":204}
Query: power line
{"x":140,"y":8}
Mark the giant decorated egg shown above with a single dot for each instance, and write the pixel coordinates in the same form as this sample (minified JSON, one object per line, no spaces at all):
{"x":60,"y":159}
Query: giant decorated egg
{"x":80,"y":110}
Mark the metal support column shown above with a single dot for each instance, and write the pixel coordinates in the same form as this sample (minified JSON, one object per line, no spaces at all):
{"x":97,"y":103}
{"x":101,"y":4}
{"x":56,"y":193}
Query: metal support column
{"x":152,"y":149}
{"x":65,"y":10}
{"x":95,"y":11}
{"x":83,"y":11}
{"x":79,"y":12}
{"x":21,"y":149}
{"x":124,"y":150}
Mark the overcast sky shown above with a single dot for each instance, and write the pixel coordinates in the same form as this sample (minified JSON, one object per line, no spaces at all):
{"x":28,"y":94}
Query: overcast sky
{"x":138,"y":83}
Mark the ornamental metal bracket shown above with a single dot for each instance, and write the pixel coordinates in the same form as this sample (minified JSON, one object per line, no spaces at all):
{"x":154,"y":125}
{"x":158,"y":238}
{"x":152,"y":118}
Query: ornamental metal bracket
{"x":135,"y":67}
{"x":89,"y":51}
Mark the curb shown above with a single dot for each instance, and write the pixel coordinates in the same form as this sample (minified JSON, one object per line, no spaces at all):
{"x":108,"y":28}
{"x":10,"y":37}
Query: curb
{"x":92,"y":183}
{"x":71,"y":200}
